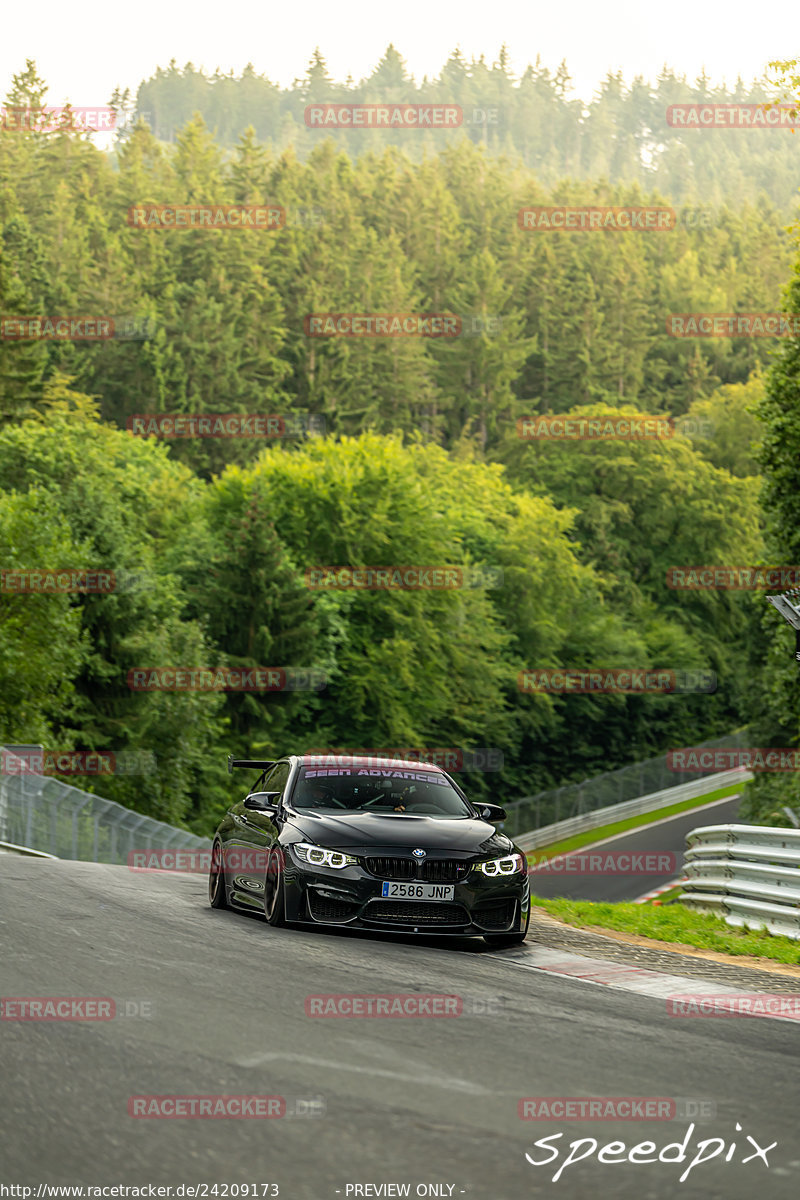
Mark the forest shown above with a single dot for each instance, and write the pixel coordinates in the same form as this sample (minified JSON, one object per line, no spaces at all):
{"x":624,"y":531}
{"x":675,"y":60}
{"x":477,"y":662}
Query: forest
{"x":624,"y":133}
{"x":380,"y":451}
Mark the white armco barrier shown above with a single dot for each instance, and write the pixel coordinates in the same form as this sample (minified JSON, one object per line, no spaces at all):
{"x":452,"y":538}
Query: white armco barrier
{"x":750,"y":874}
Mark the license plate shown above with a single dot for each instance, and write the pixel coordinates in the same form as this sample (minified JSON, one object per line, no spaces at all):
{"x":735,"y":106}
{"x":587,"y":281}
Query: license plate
{"x":418,"y":891}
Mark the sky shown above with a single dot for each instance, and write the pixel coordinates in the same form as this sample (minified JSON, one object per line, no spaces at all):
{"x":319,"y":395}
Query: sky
{"x":84,"y":52}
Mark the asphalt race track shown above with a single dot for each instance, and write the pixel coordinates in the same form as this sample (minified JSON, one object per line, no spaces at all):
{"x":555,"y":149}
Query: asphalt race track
{"x":407,"y":1101}
{"x":665,"y":836}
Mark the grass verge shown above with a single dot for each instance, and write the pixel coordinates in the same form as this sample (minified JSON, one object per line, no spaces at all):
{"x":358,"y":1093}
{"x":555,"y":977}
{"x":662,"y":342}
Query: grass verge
{"x":589,"y":836}
{"x":674,"y":923}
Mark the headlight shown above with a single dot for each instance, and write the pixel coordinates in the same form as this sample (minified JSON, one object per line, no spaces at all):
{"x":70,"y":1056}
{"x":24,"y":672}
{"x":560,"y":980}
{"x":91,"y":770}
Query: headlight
{"x":318,"y":856}
{"x":512,"y":864}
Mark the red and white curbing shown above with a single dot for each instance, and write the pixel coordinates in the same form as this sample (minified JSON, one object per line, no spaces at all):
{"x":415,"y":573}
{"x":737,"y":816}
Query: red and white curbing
{"x":643,"y":981}
{"x":659,"y":891}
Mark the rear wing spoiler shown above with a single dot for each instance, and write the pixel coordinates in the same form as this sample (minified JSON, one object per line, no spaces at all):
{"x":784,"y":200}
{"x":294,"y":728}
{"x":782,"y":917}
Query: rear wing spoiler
{"x":259,"y":763}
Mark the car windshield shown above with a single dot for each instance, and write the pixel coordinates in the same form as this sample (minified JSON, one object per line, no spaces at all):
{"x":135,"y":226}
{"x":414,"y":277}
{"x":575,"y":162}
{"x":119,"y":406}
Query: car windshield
{"x":386,"y":790}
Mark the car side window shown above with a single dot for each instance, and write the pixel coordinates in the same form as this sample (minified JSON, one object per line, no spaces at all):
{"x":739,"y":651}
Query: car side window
{"x":264,"y":785}
{"x":277,"y":779}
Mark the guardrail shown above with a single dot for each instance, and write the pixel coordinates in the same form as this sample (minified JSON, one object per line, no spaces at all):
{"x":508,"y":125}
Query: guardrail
{"x":10,"y":848}
{"x":40,"y":813}
{"x":647,"y":778}
{"x":750,"y":874}
{"x":630,"y":808}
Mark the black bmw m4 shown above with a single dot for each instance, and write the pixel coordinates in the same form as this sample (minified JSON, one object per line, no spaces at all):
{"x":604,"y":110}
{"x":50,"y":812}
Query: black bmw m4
{"x":380,"y":844}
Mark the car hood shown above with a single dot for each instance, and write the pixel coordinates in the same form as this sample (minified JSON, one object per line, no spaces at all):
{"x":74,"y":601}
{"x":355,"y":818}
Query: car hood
{"x":380,"y":833}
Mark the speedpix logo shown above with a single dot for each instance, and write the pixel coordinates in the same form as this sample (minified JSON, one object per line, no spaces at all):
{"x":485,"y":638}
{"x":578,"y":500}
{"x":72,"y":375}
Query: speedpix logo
{"x":616,"y":1153}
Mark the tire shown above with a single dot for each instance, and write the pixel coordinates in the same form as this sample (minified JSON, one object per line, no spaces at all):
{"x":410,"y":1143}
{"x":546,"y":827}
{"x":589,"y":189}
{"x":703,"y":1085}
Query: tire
{"x":274,"y":890}
{"x":216,"y":879}
{"x":505,"y":939}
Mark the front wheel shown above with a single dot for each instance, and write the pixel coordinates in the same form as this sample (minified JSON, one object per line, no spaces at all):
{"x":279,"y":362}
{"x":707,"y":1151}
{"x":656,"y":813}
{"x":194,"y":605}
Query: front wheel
{"x":274,"y":894}
{"x":216,"y":879}
{"x":505,"y":939}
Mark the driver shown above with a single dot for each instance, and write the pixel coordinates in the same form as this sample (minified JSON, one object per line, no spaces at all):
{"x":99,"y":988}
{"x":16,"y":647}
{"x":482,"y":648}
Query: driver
{"x":405,"y":800}
{"x":315,"y":793}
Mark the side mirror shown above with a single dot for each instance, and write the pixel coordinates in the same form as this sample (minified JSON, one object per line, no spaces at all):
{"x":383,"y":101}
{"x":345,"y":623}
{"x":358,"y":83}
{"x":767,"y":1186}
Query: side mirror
{"x":262,"y":802}
{"x":491,"y":812}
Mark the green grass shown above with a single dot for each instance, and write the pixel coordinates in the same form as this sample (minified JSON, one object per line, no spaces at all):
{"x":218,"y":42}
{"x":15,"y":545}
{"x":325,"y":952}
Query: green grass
{"x":589,"y":836}
{"x":668,"y":897}
{"x":674,"y":923}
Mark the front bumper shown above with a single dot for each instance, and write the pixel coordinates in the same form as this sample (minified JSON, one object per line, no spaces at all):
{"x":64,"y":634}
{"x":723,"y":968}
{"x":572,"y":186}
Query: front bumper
{"x":352,"y":897}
